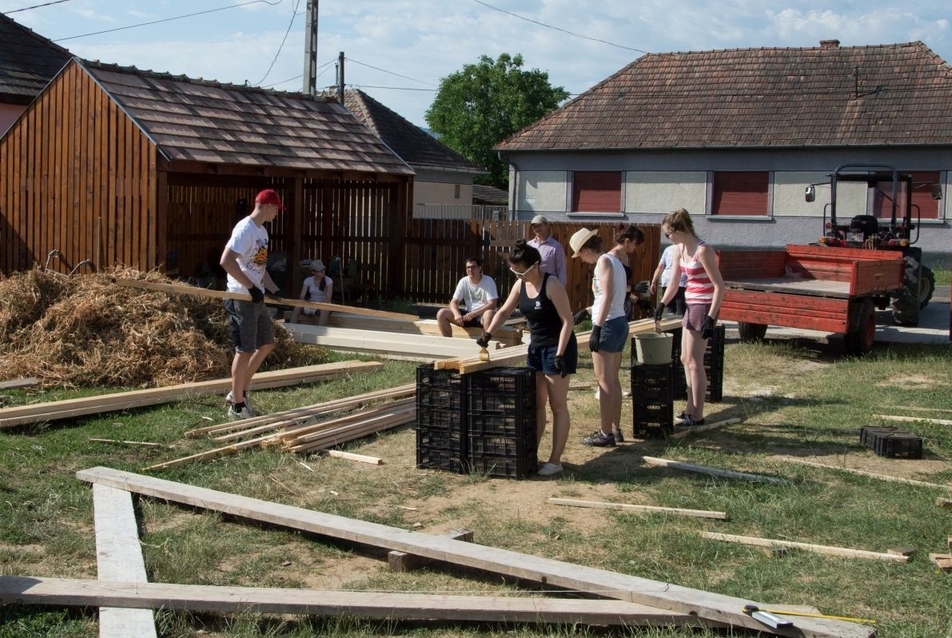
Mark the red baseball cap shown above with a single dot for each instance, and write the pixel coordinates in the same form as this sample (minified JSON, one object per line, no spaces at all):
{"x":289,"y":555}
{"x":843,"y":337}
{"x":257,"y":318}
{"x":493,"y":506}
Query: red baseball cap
{"x":269,"y":196}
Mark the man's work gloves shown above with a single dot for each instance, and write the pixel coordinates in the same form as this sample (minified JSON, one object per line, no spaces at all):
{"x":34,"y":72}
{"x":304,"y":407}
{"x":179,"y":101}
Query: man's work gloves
{"x":595,"y":338}
{"x":257,"y":296}
{"x":581,"y":316}
{"x":641,"y":288}
{"x":483,"y":341}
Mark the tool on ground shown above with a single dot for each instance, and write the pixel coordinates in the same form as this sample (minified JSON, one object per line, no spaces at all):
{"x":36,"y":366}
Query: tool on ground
{"x":867,"y":621}
{"x":766,"y":617}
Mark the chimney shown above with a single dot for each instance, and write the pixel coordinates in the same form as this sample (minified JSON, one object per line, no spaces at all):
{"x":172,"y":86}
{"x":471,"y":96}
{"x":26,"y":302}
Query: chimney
{"x":829,"y":44}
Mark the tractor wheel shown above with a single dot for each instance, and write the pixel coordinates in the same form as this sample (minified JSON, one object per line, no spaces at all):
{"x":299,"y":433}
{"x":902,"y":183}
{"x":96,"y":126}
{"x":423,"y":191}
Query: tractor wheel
{"x":751,"y":332}
{"x":926,"y":287}
{"x":862,"y":331}
{"x":905,"y":308}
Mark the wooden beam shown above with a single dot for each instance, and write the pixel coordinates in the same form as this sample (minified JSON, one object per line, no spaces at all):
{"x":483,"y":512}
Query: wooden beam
{"x":404,"y":562}
{"x":628,"y":507}
{"x":818,"y":549}
{"x":350,"y":456}
{"x":182,"y":289}
{"x":700,"y":469}
{"x":54,"y":410}
{"x":119,"y":559}
{"x":262,"y":600}
{"x":707,"y":606}
{"x":892,"y":417}
{"x":695,"y":429}
{"x":882,"y":477}
{"x":14,"y":384}
{"x":432,"y":346}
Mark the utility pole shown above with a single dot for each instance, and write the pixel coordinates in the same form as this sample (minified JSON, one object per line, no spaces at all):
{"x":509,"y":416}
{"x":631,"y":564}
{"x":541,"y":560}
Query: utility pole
{"x":340,"y":77}
{"x":310,"y":49}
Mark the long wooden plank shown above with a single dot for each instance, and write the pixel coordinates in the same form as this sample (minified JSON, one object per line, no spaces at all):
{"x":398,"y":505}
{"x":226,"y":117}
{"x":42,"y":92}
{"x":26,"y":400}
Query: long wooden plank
{"x":14,"y":384}
{"x":696,"y":429}
{"x":631,"y":507}
{"x":182,"y":289}
{"x":261,"y":600}
{"x":54,"y":410}
{"x":881,"y":477}
{"x":712,"y":471}
{"x":384,"y":342}
{"x":708,"y":606}
{"x":119,"y":559}
{"x":893,"y":417}
{"x":845,"y":552}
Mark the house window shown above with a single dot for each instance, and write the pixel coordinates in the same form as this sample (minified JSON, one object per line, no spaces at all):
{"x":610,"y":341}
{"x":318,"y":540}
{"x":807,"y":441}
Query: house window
{"x":456,"y":192}
{"x":596,"y":191}
{"x":741,"y":193}
{"x":922,"y":183}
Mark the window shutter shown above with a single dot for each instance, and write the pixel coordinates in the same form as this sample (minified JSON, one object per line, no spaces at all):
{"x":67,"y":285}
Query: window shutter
{"x":741,"y":193}
{"x":596,"y":191}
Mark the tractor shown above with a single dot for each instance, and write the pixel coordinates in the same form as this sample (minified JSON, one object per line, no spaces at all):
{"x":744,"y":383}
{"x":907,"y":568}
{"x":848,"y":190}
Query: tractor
{"x":886,"y":225}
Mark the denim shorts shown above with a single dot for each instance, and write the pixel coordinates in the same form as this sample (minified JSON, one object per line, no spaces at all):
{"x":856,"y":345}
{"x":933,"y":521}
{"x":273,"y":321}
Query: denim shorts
{"x":250,"y":324}
{"x":614,"y":335}
{"x":694,"y":316}
{"x":544,"y":358}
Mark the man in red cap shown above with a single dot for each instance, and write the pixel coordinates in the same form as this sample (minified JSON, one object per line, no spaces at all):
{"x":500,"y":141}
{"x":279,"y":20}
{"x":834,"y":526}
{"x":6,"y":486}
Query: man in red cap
{"x":245,"y":259}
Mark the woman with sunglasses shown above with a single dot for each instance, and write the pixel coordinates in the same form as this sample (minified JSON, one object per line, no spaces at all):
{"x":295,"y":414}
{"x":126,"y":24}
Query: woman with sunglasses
{"x":702,"y":297}
{"x":553,"y":350}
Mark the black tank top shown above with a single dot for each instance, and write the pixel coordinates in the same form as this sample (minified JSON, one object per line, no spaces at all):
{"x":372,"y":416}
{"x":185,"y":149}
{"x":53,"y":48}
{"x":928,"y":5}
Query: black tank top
{"x":544,"y":321}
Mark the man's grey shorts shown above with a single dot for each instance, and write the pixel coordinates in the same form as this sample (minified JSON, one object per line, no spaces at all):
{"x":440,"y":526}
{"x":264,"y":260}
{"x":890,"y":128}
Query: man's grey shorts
{"x":250,"y":324}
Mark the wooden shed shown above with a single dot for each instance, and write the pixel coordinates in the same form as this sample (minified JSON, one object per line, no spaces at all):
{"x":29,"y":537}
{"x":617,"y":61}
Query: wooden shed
{"x":116,"y":165}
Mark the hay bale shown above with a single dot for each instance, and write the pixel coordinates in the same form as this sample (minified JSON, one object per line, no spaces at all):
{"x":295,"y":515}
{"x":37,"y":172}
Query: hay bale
{"x":86,"y":331}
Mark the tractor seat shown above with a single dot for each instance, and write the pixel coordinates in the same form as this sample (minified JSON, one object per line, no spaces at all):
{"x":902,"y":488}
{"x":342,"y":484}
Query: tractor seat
{"x":866,"y":224}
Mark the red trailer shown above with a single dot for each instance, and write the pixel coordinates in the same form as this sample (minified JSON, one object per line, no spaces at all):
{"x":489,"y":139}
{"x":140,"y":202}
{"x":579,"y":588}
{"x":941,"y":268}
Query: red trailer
{"x":811,"y":287}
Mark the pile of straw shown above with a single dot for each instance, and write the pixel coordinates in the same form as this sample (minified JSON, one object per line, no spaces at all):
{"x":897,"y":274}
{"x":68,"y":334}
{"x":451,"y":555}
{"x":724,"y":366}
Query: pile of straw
{"x":84,"y":330}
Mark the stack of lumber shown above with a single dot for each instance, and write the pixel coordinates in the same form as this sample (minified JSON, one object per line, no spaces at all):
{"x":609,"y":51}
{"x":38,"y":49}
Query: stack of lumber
{"x":55,"y":410}
{"x":310,"y":428}
{"x":507,"y":335}
{"x":415,"y":347}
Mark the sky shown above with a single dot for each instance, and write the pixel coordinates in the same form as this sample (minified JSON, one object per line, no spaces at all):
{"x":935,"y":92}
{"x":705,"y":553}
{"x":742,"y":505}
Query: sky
{"x":397,"y":51}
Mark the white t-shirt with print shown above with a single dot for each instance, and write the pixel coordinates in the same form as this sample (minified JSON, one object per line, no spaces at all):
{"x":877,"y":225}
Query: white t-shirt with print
{"x":250,"y":241}
{"x":475,"y":296}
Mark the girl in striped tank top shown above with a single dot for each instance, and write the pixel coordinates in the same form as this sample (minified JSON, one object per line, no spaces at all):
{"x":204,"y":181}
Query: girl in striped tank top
{"x":702,"y":297}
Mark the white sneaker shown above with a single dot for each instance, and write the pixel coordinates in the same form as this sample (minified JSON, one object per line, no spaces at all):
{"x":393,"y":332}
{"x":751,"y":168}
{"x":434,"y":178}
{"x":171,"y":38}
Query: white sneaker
{"x":230,"y":398}
{"x":236,"y":414}
{"x":549,"y":469}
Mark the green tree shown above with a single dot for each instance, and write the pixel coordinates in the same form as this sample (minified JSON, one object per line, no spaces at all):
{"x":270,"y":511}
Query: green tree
{"x":485,"y":103}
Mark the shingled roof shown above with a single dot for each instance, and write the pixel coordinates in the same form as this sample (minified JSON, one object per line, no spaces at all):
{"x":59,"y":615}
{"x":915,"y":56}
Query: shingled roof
{"x":211,"y":122}
{"x":896,"y":95}
{"x":27,"y":62}
{"x":417,"y":147}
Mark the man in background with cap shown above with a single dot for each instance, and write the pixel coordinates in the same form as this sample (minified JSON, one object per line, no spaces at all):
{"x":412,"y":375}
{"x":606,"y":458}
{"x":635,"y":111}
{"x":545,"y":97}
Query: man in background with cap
{"x":553,"y":255}
{"x":245,"y":259}
{"x":318,"y":288}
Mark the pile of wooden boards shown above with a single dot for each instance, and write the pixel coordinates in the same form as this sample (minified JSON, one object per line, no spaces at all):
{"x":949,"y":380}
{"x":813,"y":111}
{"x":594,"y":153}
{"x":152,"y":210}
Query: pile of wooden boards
{"x":635,"y":601}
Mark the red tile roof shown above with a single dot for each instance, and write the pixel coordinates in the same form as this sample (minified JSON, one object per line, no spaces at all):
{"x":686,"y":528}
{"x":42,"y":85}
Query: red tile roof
{"x":417,"y":147}
{"x":217,"y":123}
{"x":897,"y":94}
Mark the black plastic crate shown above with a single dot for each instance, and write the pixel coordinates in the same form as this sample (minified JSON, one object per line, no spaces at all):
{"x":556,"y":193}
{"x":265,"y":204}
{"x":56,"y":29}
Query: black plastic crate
{"x":502,"y":446}
{"x":501,"y":423}
{"x":648,"y":430}
{"x":644,"y":376}
{"x":442,"y":389}
{"x":441,"y":459}
{"x":517,"y":468}
{"x":509,"y":390}
{"x":899,"y":445}
{"x":651,"y":394}
{"x":440,"y":438}
{"x":868,"y":434}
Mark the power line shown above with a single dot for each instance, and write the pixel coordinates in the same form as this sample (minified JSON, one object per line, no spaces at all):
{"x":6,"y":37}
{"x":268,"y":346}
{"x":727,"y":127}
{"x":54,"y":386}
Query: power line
{"x":324,"y":66}
{"x":549,"y":26}
{"x":376,"y":68}
{"x":392,"y":88}
{"x":294,"y":15}
{"x":37,"y":6}
{"x":190,"y":15}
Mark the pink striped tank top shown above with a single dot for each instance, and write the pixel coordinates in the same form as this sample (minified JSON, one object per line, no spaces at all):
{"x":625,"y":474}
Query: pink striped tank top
{"x":699,"y":290}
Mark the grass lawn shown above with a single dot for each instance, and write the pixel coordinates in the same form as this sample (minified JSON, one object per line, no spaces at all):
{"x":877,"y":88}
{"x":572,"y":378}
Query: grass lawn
{"x":796,"y":400}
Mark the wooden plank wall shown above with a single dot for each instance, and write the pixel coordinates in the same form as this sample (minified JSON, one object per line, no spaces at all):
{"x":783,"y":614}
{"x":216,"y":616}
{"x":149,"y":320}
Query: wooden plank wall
{"x":55,"y":193}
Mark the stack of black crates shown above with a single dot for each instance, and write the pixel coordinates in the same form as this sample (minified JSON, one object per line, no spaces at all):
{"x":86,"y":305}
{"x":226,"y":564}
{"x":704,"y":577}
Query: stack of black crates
{"x":713,"y":366}
{"x":483,"y":421}
{"x":652,"y":397}
{"x":891,"y":442}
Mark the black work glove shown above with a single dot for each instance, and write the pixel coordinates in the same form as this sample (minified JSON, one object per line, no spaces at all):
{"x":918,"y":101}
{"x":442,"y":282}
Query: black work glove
{"x":256,"y":295}
{"x":560,"y":366}
{"x":483,"y":341}
{"x":659,"y":312}
{"x":581,"y":316}
{"x":277,"y":294}
{"x":707,"y":328}
{"x":595,"y":338}
{"x":641,"y":288}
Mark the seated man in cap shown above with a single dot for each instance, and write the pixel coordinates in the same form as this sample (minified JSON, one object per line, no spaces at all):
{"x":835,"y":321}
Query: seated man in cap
{"x":553,"y":255}
{"x":477,"y":292}
{"x":318,"y":287}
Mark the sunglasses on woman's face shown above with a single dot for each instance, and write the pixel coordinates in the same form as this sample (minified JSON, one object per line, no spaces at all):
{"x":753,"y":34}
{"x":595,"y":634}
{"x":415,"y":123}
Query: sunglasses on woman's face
{"x":523,"y":273}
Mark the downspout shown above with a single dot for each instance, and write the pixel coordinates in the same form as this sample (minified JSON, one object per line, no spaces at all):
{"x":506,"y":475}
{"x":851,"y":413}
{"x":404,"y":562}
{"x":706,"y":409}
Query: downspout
{"x":504,"y":157}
